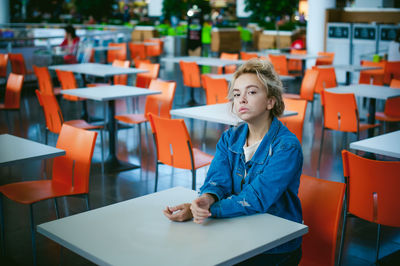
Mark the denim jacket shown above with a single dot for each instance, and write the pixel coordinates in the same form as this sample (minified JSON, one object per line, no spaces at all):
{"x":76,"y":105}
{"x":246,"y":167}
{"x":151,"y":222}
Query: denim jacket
{"x":272,"y":181}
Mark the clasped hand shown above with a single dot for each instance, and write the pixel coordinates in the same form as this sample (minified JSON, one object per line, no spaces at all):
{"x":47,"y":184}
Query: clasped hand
{"x":199,"y":210}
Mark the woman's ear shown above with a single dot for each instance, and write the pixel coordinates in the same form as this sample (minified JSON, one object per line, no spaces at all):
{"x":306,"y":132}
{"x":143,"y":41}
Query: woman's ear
{"x":271,"y":103}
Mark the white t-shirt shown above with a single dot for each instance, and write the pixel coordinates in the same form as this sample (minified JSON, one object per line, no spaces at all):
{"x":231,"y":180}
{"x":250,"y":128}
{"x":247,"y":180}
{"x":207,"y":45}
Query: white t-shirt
{"x":250,"y":150}
{"x":394,"y":52}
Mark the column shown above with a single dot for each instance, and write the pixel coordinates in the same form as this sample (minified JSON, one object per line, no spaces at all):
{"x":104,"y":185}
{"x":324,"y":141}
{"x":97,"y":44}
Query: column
{"x":4,"y":11}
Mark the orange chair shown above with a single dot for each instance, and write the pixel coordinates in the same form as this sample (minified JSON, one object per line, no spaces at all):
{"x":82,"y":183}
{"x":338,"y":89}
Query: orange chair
{"x":159,"y":104}
{"x":295,"y":122}
{"x":373,"y":192}
{"x":44,"y":80}
{"x":137,"y":61}
{"x":154,"y":50}
{"x":280,"y":64}
{"x":191,"y":77}
{"x":326,"y":60}
{"x":392,"y":107}
{"x":248,"y":56}
{"x":119,"y":54}
{"x":68,"y":82}
{"x":392,"y":71}
{"x":372,"y":76}
{"x":322,"y":204}
{"x":307,"y":88}
{"x":326,"y":79}
{"x":18,"y":64}
{"x":137,"y":50}
{"x":341,"y":114}
{"x":295,"y":65}
{"x":176,"y":149}
{"x":3,"y":65}
{"x":12,"y":99}
{"x":55,"y":121}
{"x":216,"y":89}
{"x":143,"y":79}
{"x":231,"y":68}
{"x":70,"y":177}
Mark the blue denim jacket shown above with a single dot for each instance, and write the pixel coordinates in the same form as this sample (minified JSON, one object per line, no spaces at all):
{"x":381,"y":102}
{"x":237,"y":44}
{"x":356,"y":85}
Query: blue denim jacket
{"x":272,"y":181}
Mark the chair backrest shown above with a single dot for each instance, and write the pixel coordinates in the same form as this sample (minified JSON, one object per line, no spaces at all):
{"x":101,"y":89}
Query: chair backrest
{"x":138,"y":61}
{"x":308,"y":84}
{"x":73,"y":169}
{"x":392,"y":71}
{"x":216,"y":89}
{"x":52,"y":111}
{"x":119,"y":54}
{"x":340,"y":111}
{"x":280,"y":64}
{"x":392,"y":105}
{"x":172,"y":149}
{"x":137,"y":50}
{"x":295,"y":122}
{"x":326,"y":79}
{"x":327,"y":60}
{"x":375,"y":76}
{"x":44,"y":79}
{"x":121,"y":79}
{"x":191,"y":74}
{"x":248,"y":56}
{"x":322,"y":203}
{"x":17,"y":64}
{"x":3,"y":65}
{"x":67,"y":81}
{"x":160,"y":104}
{"x":296,"y":64}
{"x":373,"y":189}
{"x":154,"y":50}
{"x":231,"y":68}
{"x":143,"y":79}
{"x":12,"y":99}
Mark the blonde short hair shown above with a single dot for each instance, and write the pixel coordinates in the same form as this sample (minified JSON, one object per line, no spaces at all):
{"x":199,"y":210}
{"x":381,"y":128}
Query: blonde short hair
{"x":267,"y":76}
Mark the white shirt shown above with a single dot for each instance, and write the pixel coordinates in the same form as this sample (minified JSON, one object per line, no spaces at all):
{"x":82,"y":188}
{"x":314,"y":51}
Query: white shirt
{"x":250,"y":150}
{"x":394,"y":52}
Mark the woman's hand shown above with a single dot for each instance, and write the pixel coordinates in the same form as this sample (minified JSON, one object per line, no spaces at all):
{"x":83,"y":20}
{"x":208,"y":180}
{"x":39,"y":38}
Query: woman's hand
{"x":179,"y":213}
{"x":201,"y":208}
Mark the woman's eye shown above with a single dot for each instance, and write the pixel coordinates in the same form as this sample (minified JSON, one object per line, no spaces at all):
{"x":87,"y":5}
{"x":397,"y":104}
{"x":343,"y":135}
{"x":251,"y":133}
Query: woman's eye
{"x":236,"y":95}
{"x":252,"y":92}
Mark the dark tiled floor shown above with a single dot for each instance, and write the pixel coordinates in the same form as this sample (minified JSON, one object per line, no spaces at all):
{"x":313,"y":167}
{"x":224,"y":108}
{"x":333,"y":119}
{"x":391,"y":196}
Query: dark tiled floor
{"x":111,"y":188}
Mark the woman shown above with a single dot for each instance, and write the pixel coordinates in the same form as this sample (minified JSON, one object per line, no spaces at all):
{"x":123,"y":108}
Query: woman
{"x":257,"y":166}
{"x":70,"y":45}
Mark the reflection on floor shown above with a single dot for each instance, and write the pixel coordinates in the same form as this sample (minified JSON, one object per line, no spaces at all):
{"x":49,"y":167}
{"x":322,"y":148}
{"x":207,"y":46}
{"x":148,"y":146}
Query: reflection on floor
{"x":107,"y":189}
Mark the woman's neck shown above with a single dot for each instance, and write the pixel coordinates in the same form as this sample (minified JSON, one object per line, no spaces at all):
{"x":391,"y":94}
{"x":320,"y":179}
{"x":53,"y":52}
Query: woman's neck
{"x":257,"y":130}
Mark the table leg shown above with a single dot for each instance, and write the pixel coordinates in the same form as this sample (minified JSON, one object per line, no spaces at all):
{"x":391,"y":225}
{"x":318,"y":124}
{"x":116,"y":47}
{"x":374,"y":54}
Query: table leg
{"x":348,"y":77}
{"x":85,"y":113}
{"x":371,"y":117}
{"x":303,"y":67}
{"x":112,"y":164}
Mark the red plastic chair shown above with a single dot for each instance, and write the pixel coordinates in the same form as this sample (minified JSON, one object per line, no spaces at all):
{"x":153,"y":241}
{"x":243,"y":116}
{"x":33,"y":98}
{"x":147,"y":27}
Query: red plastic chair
{"x":372,"y":76}
{"x":216,"y":89}
{"x":327,"y":60}
{"x":18,"y":64}
{"x":326,"y":79}
{"x":322,"y":204}
{"x":119,"y":54}
{"x":280,"y":64}
{"x":231,"y":68}
{"x":44,"y":80}
{"x":392,"y":71}
{"x":12,"y":99}
{"x":137,"y":50}
{"x":296,"y":65}
{"x":143,"y":79}
{"x":70,"y":177}
{"x":392,"y":108}
{"x":68,"y":82}
{"x":3,"y":65}
{"x":191,"y":76}
{"x":248,"y":56}
{"x":295,"y":122}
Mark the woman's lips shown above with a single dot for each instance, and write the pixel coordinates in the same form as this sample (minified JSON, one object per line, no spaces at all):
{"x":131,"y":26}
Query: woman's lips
{"x":243,"y":109}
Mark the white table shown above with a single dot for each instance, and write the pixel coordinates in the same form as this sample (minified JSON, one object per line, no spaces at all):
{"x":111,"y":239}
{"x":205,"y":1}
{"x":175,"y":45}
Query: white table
{"x":135,"y":232}
{"x":386,"y":144}
{"x":217,"y":113}
{"x":229,"y":77}
{"x":17,"y":150}
{"x":203,"y":61}
{"x":349,"y":69}
{"x":372,"y":92}
{"x":110,"y":94}
{"x":98,"y":70}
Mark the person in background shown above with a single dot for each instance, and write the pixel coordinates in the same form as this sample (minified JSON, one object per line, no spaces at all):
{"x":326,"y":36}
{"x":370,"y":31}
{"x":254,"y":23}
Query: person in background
{"x":257,"y":165}
{"x":394,"y":48}
{"x":70,"y":45}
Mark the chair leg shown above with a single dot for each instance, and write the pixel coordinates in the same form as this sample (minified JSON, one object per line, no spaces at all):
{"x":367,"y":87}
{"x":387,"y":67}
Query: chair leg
{"x":320,"y":150}
{"x":312,"y":111}
{"x":378,"y":240}
{"x":46,"y":137}
{"x":102,"y":150}
{"x":193,"y":179}
{"x":342,"y":238}
{"x":140,"y":142}
{"x":56,"y":207}
{"x":3,"y":250}
{"x":87,"y":202}
{"x":156,"y":179}
{"x":33,"y":234}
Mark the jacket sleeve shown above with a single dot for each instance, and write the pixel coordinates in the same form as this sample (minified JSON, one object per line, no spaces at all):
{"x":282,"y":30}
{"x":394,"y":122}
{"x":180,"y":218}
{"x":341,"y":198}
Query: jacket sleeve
{"x":219,"y":175}
{"x":283,"y":167}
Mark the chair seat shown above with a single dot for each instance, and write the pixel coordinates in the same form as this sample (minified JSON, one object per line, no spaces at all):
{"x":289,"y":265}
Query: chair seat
{"x":34,"y":191}
{"x":383,"y":117}
{"x":3,"y":107}
{"x":364,"y":126}
{"x":291,"y":96}
{"x":82,"y":124}
{"x":97,"y":84}
{"x":131,"y":118}
{"x":201,"y":158}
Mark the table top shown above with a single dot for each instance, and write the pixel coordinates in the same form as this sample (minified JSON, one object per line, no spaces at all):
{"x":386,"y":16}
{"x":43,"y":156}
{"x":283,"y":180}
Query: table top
{"x":203,"y":61}
{"x":218,"y":113}
{"x":16,"y":150}
{"x":368,"y":91}
{"x":294,"y":56}
{"x":229,"y":77}
{"x":137,"y":231}
{"x":107,"y":93}
{"x":350,"y":68}
{"x":386,"y":144}
{"x":98,"y":70}
{"x":106,"y":48}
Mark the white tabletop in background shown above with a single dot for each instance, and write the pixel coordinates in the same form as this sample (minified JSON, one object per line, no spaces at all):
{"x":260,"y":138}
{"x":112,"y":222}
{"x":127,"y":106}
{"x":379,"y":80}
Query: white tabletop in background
{"x":106,"y":48}
{"x":204,"y":61}
{"x":229,"y":77}
{"x":107,"y":93}
{"x":218,"y":113}
{"x":368,"y":91}
{"x":294,"y":56}
{"x":350,"y":68}
{"x":386,"y":144}
{"x":99,"y":70}
{"x":16,"y":150}
{"x":135,"y":232}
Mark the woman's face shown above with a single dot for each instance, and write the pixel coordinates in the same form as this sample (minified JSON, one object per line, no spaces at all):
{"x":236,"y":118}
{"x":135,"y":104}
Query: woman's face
{"x":250,"y":99}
